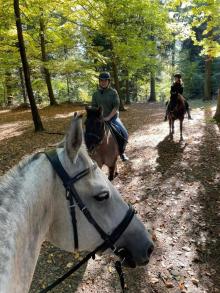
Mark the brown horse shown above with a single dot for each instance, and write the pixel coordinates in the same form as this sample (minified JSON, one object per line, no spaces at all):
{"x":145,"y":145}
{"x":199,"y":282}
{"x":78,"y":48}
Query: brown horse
{"x":177,"y":113}
{"x":100,"y":142}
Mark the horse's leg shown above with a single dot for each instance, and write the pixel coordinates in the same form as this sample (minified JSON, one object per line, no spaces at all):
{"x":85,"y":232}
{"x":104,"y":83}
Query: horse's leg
{"x":170,"y":125}
{"x":181,"y":129}
{"x":111,"y":175}
{"x":112,"y":171}
{"x":116,"y":170}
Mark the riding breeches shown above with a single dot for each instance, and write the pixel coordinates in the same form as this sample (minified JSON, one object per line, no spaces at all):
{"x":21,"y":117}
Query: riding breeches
{"x":120,"y":133}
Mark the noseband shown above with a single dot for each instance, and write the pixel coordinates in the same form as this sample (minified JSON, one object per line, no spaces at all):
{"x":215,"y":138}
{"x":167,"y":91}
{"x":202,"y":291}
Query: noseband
{"x":74,"y":200}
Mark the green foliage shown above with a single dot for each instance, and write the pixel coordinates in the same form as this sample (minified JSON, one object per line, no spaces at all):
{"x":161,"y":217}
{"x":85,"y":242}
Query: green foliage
{"x":191,"y":70}
{"x":84,"y":37}
{"x":205,"y":14}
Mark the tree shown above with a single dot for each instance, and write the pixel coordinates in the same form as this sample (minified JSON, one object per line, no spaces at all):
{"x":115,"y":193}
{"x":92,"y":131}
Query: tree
{"x":123,"y":35}
{"x":217,"y":112}
{"x":201,"y":16}
{"x":152,"y":97}
{"x":45,"y":59}
{"x":22,"y":85}
{"x":62,"y":47}
{"x":35,"y":115}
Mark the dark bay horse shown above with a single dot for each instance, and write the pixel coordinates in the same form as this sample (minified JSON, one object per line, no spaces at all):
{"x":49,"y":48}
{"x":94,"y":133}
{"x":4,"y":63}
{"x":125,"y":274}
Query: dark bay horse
{"x":178,"y":112}
{"x":100,"y":141}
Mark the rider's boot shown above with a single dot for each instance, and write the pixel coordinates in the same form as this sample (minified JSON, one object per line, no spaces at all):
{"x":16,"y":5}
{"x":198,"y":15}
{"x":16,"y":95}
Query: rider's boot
{"x":124,"y":157}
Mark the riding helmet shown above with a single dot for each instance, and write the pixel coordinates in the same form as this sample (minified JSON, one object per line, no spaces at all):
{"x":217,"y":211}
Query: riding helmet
{"x":104,"y":76}
{"x":178,"y":75}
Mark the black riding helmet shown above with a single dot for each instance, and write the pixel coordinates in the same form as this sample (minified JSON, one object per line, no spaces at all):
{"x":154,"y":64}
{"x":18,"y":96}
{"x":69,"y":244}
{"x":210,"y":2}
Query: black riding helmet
{"x":178,"y":75}
{"x":104,"y":76}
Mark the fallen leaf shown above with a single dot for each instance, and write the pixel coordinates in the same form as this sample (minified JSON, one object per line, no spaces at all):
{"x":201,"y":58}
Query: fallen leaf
{"x":186,"y":248}
{"x":195,"y":281}
{"x":110,"y":269}
{"x":169,"y":284}
{"x":69,"y":265}
{"x":154,"y":280}
{"x":182,"y":286}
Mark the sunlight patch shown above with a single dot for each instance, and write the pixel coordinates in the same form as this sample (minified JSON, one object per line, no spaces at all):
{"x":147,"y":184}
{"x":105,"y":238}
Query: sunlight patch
{"x":58,"y":116}
{"x":5,"y":111}
{"x":13,"y":129}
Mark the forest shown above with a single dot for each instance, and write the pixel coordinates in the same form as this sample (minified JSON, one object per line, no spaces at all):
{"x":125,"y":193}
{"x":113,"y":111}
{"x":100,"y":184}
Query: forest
{"x":142,"y":43}
{"x":51,"y":56}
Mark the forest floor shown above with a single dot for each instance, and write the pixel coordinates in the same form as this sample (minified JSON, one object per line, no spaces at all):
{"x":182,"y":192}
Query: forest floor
{"x":173,"y":185}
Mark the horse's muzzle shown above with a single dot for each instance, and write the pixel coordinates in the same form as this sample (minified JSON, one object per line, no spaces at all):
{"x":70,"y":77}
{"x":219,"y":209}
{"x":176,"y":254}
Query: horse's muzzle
{"x":127,"y":259}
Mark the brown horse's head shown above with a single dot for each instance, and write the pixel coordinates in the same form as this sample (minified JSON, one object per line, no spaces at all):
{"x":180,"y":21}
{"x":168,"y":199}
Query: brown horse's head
{"x":94,"y":127}
{"x":179,"y":111}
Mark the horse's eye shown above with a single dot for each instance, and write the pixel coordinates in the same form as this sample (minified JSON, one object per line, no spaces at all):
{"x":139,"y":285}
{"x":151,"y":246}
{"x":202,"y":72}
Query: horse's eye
{"x":102,"y":196}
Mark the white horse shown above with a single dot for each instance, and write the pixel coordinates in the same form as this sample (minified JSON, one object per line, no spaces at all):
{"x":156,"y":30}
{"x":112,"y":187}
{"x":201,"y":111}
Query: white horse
{"x":33,"y":208}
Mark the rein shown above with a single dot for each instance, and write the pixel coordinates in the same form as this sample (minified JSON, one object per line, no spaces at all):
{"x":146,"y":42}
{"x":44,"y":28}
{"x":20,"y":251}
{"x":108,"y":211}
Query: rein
{"x":74,"y":200}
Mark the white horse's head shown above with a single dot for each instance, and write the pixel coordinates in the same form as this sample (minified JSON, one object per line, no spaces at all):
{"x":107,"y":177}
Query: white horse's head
{"x":103,"y":201}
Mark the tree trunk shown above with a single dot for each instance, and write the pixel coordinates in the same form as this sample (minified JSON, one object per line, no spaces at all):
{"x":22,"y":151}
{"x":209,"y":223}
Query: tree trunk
{"x":35,"y":115}
{"x":8,"y":87}
{"x":22,"y":85}
{"x":68,"y":86}
{"x":45,"y":59}
{"x":173,"y":61}
{"x":128,"y":101}
{"x":4,"y":86}
{"x":67,"y":75}
{"x":134,"y":89}
{"x":207,"y":82}
{"x":217,"y":112}
{"x":152,"y":88}
{"x":117,"y":86}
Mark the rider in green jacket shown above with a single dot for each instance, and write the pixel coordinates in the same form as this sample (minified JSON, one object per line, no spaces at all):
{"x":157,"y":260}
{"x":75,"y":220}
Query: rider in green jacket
{"x":108,"y":99}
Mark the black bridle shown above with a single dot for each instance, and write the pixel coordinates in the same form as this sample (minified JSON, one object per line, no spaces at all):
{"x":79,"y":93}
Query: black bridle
{"x":97,"y":137}
{"x":74,"y":200}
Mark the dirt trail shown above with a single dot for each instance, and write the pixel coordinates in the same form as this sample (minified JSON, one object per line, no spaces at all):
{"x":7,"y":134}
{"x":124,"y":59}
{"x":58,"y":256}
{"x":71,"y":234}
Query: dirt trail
{"x":175,"y":189}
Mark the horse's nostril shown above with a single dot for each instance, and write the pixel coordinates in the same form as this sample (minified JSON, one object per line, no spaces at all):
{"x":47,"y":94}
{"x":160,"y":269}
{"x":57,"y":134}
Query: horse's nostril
{"x":150,"y":250}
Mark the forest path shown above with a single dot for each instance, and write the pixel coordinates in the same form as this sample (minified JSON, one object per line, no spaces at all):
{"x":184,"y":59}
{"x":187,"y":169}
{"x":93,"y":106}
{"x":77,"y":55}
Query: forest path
{"x":175,"y":189}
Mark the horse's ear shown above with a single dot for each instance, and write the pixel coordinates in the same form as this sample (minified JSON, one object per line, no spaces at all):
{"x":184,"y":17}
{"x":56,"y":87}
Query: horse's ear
{"x":74,"y":137}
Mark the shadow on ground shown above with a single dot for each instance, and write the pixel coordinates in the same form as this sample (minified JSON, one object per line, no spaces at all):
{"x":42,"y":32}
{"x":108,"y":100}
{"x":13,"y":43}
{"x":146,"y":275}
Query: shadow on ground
{"x":207,"y":172}
{"x":55,"y":260}
{"x":169,"y":154}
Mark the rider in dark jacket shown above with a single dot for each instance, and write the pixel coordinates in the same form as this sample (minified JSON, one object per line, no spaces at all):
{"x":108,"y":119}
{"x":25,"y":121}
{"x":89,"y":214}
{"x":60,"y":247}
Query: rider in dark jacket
{"x":176,"y":89}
